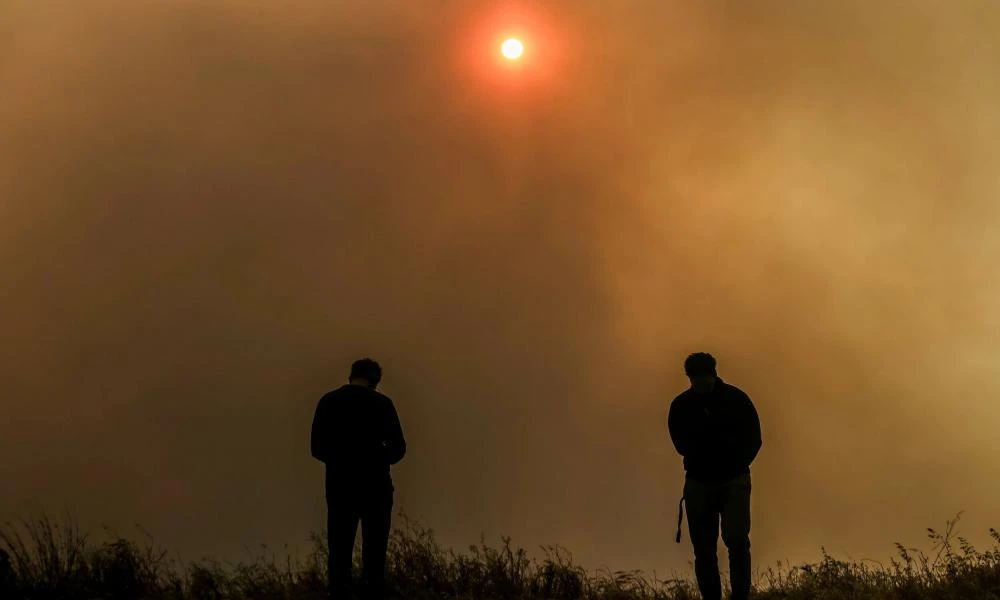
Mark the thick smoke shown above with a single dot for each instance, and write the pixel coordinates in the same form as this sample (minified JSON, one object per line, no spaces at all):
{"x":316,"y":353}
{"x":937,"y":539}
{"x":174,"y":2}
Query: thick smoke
{"x":207,"y":209}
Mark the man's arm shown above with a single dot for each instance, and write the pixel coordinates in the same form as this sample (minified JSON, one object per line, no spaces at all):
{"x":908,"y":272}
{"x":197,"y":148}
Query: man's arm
{"x":750,"y":434}
{"x":395,"y":445}
{"x":678,"y":434}
{"x":320,"y":431}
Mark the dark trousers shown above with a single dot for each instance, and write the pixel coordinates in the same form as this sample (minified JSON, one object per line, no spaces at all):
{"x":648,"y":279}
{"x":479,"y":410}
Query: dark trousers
{"x":708,"y":504}
{"x":374,"y":512}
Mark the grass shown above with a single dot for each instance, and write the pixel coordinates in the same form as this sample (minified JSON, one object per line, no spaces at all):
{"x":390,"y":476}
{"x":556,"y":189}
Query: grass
{"x":44,"y":560}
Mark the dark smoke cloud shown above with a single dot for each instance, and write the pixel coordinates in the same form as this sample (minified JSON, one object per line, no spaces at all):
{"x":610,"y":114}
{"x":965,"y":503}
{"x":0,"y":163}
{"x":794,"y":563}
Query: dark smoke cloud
{"x":208,"y":209}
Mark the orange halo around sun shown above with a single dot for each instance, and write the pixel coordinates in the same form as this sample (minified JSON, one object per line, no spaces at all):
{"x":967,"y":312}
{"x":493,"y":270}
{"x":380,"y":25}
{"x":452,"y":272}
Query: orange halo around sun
{"x":512,"y":48}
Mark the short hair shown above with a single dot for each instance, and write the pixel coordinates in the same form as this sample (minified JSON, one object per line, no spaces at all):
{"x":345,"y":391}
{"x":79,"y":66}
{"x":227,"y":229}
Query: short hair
{"x":367,"y":369}
{"x":699,"y":364}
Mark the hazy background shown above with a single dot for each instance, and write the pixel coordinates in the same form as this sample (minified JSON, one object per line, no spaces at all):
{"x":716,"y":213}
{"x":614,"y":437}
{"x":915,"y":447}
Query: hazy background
{"x":209,"y":207}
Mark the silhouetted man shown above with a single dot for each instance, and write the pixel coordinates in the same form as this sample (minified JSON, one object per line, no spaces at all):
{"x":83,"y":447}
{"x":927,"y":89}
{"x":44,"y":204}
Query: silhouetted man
{"x":714,"y":426}
{"x":356,"y":432}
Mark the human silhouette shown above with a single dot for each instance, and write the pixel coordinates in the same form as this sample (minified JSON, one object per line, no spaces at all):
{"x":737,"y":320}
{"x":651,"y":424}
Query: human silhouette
{"x":356,"y":433}
{"x":715,"y":427}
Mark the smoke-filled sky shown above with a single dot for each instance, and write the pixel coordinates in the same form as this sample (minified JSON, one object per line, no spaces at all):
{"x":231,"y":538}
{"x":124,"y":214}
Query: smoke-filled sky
{"x":208,"y":208}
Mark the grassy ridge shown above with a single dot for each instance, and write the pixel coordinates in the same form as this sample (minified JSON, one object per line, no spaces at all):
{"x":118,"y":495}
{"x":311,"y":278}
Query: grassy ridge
{"x":42,"y":559}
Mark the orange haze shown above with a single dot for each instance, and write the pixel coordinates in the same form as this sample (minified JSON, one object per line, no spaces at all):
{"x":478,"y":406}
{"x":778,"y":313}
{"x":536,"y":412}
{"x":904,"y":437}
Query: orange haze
{"x":208,"y":207}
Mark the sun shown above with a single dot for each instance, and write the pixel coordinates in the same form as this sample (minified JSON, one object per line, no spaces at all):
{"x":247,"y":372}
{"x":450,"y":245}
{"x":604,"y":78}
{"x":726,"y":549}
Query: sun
{"x":512,"y":49}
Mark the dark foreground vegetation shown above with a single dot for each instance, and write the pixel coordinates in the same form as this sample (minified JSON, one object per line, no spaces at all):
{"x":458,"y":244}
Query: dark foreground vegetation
{"x":42,"y":560}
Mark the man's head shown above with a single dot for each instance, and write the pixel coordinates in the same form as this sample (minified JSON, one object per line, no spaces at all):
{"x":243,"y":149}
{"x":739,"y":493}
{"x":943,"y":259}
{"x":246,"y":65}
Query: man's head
{"x":700,"y":369}
{"x":366,"y":372}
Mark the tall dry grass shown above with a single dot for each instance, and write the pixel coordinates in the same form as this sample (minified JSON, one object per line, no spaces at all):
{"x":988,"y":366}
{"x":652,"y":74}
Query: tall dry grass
{"x":42,"y":559}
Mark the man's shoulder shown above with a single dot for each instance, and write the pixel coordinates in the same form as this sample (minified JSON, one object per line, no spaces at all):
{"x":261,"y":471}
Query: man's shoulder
{"x":343,"y":394}
{"x":734,"y":392}
{"x":383,"y":398}
{"x":725,"y":385}
{"x":375,"y":396}
{"x":681,"y":398}
{"x":336,"y":392}
{"x":353,"y":393}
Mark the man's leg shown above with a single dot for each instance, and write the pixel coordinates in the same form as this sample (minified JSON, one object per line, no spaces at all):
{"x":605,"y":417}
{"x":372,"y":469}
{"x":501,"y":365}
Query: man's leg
{"x":341,"y":527}
{"x":736,"y":534}
{"x":702,"y":505}
{"x":375,"y":526}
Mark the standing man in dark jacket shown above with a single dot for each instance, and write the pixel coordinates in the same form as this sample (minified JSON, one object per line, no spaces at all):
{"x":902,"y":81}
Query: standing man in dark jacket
{"x":714,"y":426}
{"x":356,"y":433}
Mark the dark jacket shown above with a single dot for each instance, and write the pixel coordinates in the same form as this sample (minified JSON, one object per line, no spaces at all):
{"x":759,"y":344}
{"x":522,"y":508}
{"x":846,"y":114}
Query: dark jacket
{"x":718,"y":434}
{"x":356,"y":432}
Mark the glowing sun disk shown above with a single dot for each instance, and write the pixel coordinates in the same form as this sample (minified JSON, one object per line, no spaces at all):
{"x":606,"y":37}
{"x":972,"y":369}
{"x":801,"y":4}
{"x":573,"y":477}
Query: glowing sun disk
{"x":512,"y":49}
